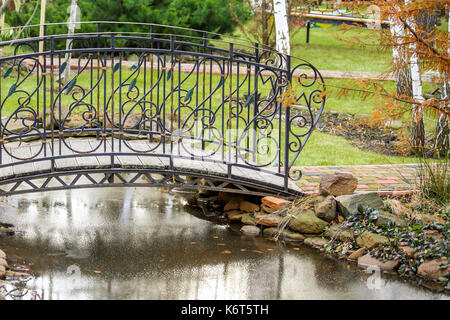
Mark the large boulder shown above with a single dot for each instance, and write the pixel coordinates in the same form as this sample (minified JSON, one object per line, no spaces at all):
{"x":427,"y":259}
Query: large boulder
{"x":275,"y":203}
{"x":285,"y":234}
{"x":267,"y":209}
{"x":3,"y":263}
{"x":385,"y":217}
{"x":367,"y":261}
{"x":316,"y":242}
{"x":233,"y":204}
{"x":370,"y":240}
{"x":357,"y":253}
{"x":325,"y":208}
{"x":269,"y":220}
{"x":234,"y":215}
{"x":248,"y":206}
{"x":435,"y":268}
{"x":337,"y":184}
{"x":307,"y":222}
{"x":252,"y":230}
{"x":248,"y":219}
{"x":2,"y":254}
{"x":347,"y":204}
{"x":2,"y":272}
{"x":339,"y":231}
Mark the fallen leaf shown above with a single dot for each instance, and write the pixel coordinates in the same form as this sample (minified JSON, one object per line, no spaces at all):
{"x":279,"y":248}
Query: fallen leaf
{"x":296,"y":249}
{"x":221,"y":244}
{"x":193,"y":242}
{"x":216,"y":237}
{"x":226,"y":252}
{"x":96,"y":271}
{"x":243,"y":250}
{"x":257,"y":251}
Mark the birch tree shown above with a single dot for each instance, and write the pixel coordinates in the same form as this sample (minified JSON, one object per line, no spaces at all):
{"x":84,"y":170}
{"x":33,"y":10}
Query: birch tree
{"x":71,"y":30}
{"x":281,"y":27}
{"x":400,"y":57}
{"x":442,"y":140}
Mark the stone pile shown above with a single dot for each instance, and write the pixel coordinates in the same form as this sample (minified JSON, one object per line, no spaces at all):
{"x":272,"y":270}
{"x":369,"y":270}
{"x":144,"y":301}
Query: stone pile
{"x":324,"y":219}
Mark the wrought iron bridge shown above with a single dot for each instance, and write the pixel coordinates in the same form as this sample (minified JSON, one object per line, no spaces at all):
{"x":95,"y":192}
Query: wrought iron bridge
{"x":161,"y":106}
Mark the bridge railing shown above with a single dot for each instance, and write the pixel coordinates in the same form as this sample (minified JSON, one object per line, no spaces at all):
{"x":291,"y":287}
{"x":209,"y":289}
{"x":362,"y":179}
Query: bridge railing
{"x":187,"y":94}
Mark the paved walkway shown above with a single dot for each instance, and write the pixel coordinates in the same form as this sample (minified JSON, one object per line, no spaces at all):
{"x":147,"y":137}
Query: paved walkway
{"x":385,"y":179}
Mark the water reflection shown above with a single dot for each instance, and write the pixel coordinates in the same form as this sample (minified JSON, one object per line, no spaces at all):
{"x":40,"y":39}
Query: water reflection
{"x":142,"y":244}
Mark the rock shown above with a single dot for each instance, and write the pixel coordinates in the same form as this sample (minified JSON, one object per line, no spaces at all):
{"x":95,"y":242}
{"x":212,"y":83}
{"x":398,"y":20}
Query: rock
{"x":397,"y":207}
{"x":275,"y":203}
{"x":325,"y":208}
{"x":267,"y":209}
{"x":347,"y":204}
{"x":370,"y":240}
{"x":232,"y":205}
{"x":248,"y":206}
{"x":433,"y":234}
{"x":368,"y":261}
{"x":3,"y":263}
{"x":316,"y":242}
{"x":339,"y":231}
{"x":307,"y":222}
{"x":2,"y":272}
{"x":234,"y":215}
{"x":285,"y":234}
{"x":356,"y":254}
{"x":269,"y":220}
{"x":224,"y":197}
{"x":253,"y":230}
{"x":2,"y":254}
{"x":337,"y":184}
{"x":385,"y":217}
{"x":59,"y":114}
{"x":430,"y":219}
{"x":407,"y":250}
{"x":248,"y":219}
{"x":435,"y":268}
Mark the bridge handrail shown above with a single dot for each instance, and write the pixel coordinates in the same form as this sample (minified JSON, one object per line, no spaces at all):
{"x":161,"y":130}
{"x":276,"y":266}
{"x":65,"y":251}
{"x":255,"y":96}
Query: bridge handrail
{"x":256,"y":89}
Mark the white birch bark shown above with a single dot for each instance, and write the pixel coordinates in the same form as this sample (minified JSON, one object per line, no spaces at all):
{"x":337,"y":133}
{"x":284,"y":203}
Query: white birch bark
{"x":71,"y":30}
{"x":415,"y":71}
{"x":418,"y":134}
{"x":281,"y":27}
{"x":442,"y":140}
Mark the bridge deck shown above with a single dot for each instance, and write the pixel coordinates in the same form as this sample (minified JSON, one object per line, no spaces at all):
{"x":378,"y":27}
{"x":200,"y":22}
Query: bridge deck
{"x":158,"y":159}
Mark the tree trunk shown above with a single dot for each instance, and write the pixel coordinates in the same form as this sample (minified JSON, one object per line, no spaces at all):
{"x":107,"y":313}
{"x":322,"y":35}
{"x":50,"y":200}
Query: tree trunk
{"x":418,"y":130}
{"x":442,"y":139}
{"x":71,"y":30}
{"x":281,"y":27}
{"x":400,"y":59}
{"x":265,"y":23}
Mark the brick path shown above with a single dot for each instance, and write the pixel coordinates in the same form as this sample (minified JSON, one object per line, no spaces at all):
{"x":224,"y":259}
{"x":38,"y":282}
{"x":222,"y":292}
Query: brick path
{"x":385,"y":179}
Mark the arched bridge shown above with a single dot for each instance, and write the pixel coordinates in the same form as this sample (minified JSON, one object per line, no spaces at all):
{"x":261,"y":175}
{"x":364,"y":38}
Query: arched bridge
{"x":149,"y":105}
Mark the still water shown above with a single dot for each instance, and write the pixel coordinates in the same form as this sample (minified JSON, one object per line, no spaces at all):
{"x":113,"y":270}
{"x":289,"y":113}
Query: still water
{"x":128,"y":243}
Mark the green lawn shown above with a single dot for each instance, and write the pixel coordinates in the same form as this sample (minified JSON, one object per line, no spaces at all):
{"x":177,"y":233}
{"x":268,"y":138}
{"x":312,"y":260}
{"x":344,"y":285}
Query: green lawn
{"x":326,"y":51}
{"x":324,"y":149}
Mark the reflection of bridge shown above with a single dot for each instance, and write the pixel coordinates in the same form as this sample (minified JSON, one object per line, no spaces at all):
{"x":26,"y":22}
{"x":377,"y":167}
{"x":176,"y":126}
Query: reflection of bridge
{"x":221,"y":123}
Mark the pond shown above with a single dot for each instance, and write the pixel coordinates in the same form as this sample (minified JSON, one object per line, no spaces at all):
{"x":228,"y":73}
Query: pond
{"x":128,"y":243}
